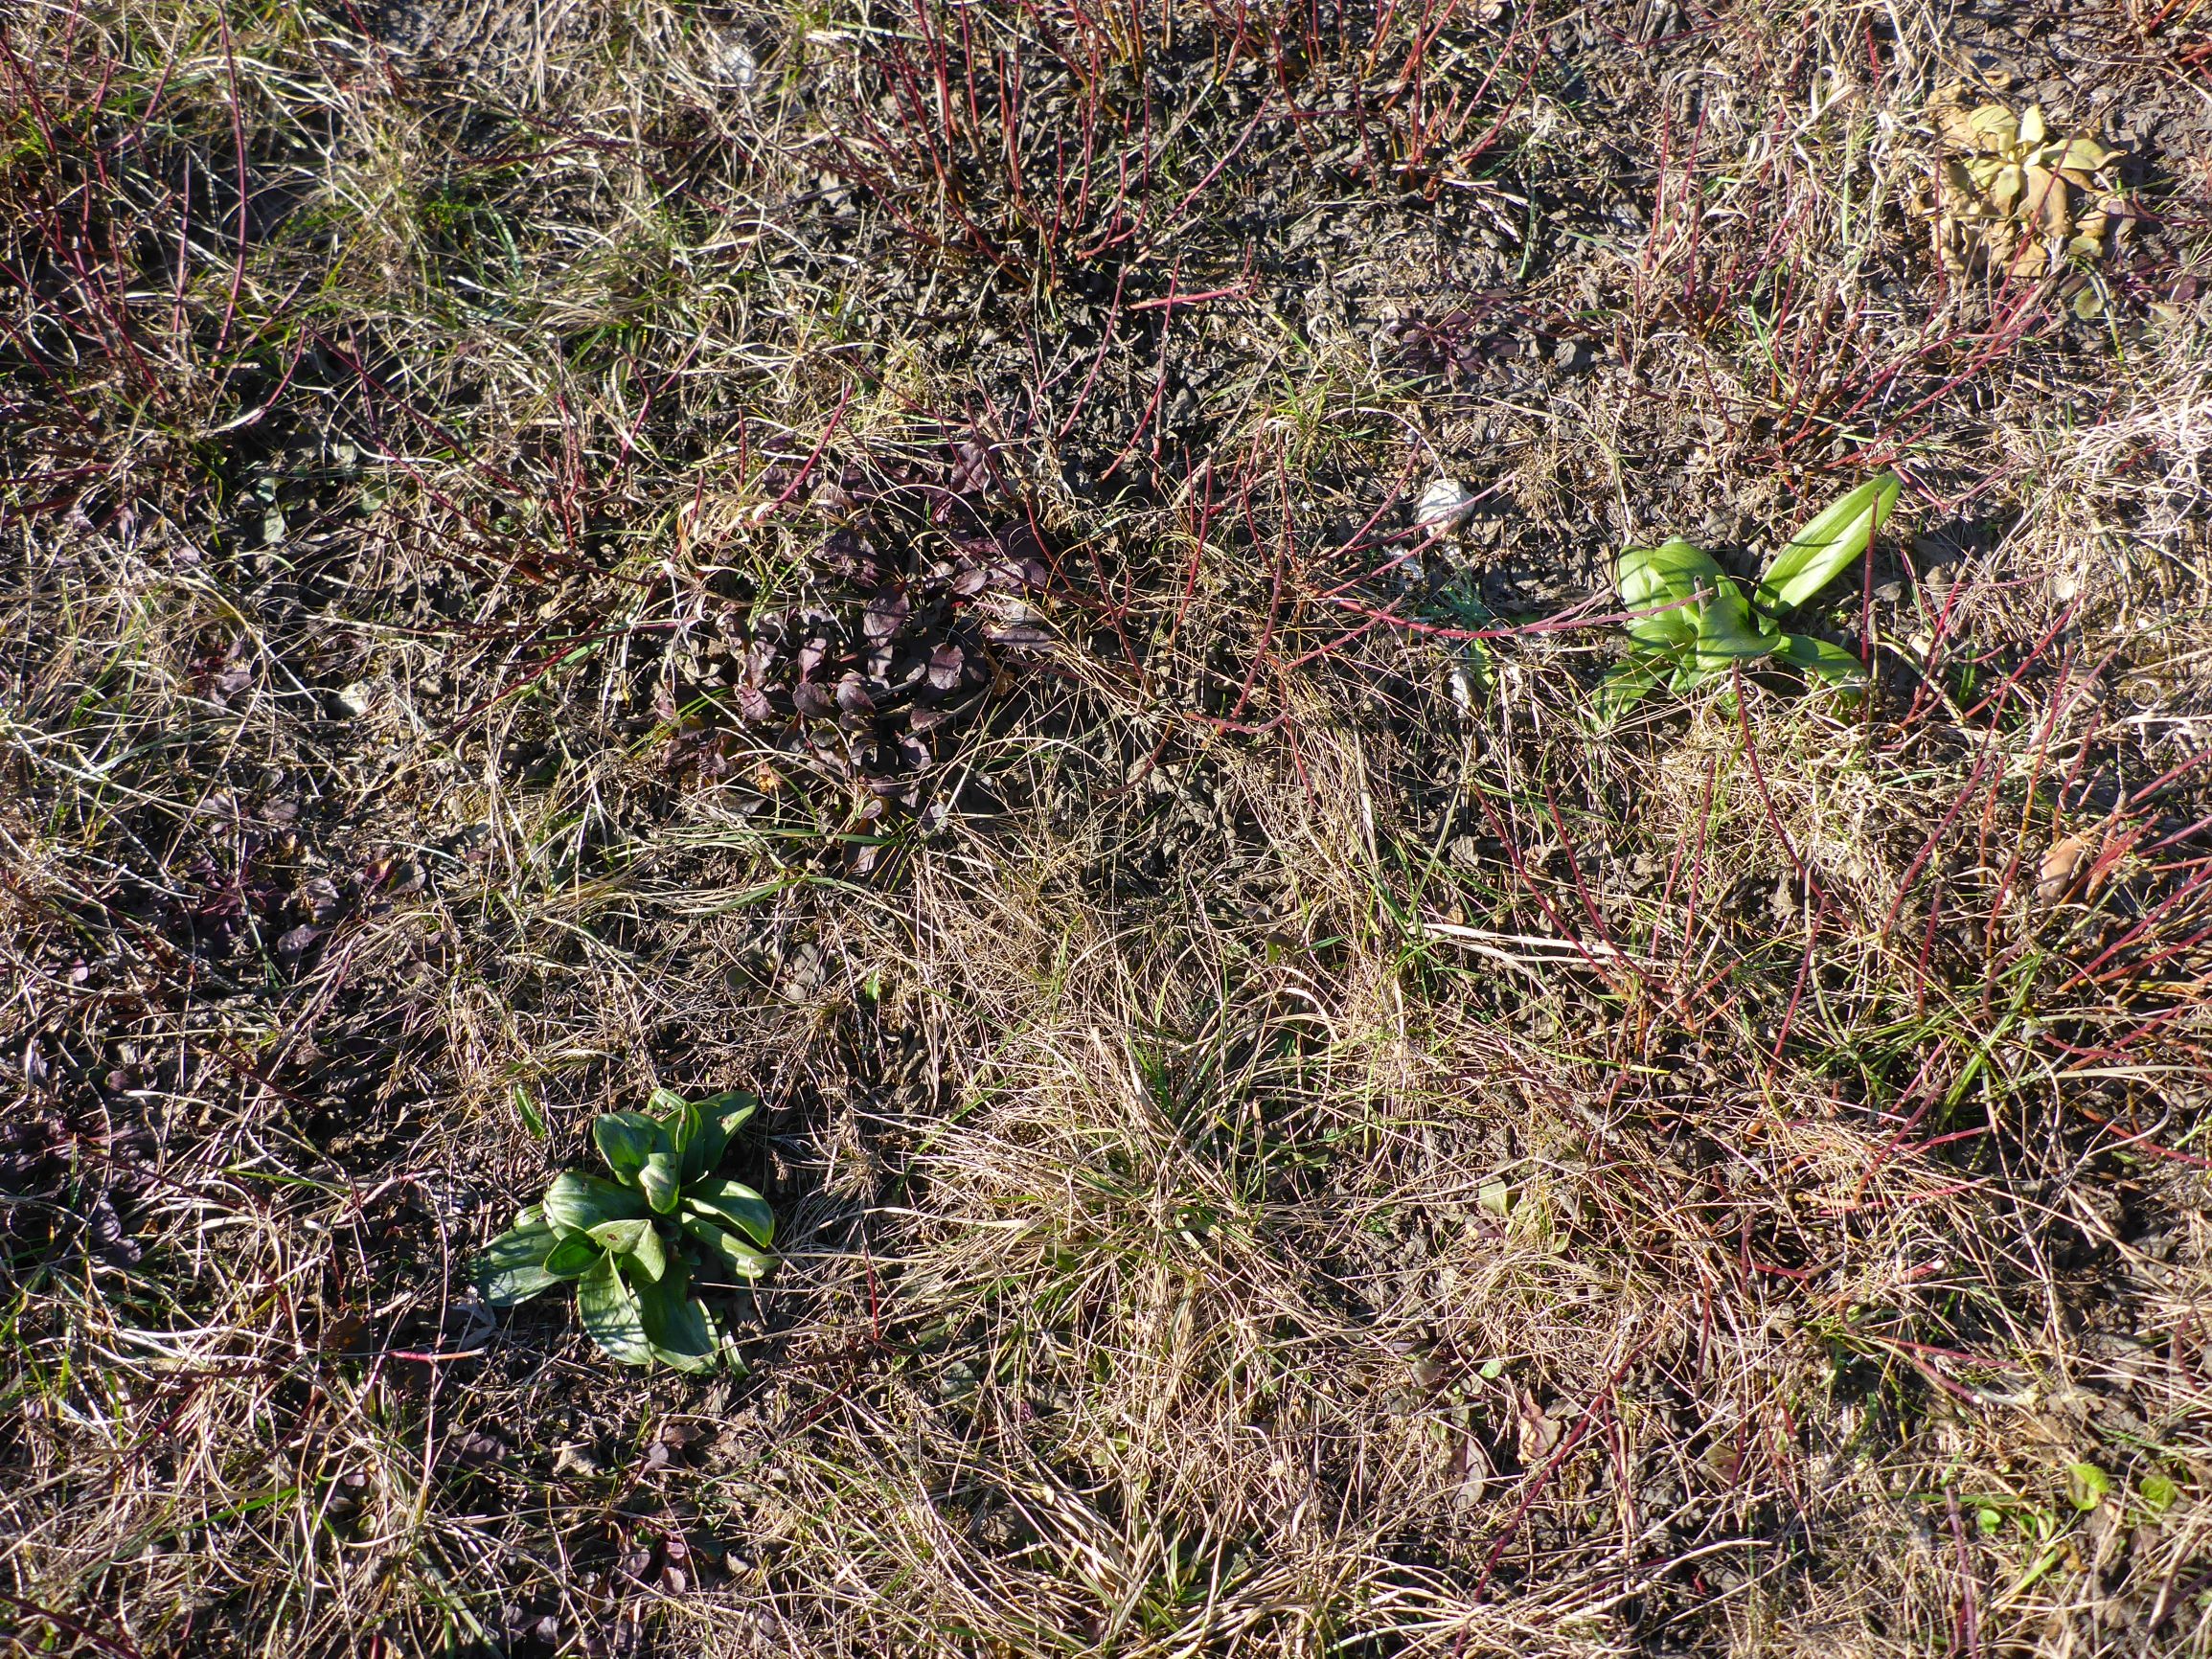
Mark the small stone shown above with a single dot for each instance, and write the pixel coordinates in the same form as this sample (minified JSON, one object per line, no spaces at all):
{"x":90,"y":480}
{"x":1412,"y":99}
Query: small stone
{"x":734,"y":65}
{"x":1445,"y":506}
{"x":574,"y":1458}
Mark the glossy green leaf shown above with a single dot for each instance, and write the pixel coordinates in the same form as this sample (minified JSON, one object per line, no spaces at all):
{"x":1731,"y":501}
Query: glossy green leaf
{"x":1823,"y":549}
{"x":513,"y":1266}
{"x":721,"y":1117}
{"x":732,"y":1108}
{"x":1667,"y":630}
{"x":1668,"y":574}
{"x":532,"y":1119}
{"x":626,"y":1140}
{"x":676,"y":1326}
{"x":1832,"y":662}
{"x":573,"y":1256}
{"x":724,"y":1252}
{"x":661,"y":1180}
{"x":1727,"y":634}
{"x":736,"y":1204}
{"x":2158,"y":1493}
{"x":638,"y":1239}
{"x":576,"y":1202}
{"x":1688,"y":676}
{"x":682,"y":1122}
{"x":621,"y":1238}
{"x":608,"y":1304}
{"x":662,"y":1102}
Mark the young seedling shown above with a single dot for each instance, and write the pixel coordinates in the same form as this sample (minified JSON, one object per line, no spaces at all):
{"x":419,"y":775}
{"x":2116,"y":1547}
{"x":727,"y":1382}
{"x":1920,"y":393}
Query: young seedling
{"x":632,"y":1245}
{"x":1694,"y":622}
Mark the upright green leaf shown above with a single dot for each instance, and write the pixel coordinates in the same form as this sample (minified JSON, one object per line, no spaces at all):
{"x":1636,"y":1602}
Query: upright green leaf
{"x":731,"y":1109}
{"x":626,"y":1140}
{"x":683,"y":1128}
{"x":608,"y":1306}
{"x":736,"y":1204}
{"x":576,"y":1202}
{"x":513,"y":1266}
{"x":1824,"y":548}
{"x":532,"y":1119}
{"x":721,"y":1117}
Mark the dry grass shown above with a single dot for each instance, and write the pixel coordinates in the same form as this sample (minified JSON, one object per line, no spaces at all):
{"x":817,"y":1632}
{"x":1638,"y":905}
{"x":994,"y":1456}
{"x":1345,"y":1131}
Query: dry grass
{"x":1289,"y":1138}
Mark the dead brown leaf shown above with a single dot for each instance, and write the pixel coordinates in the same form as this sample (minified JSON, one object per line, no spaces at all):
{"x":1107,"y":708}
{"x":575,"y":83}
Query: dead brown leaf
{"x":2061,"y":864}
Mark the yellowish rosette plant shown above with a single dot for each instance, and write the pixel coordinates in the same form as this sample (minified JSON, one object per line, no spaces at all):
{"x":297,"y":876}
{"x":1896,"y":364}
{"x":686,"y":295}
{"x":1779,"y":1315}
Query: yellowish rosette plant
{"x":2014,"y":197}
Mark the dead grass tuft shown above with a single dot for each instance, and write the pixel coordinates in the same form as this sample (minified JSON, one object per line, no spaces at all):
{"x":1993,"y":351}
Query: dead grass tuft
{"x":871,"y":556}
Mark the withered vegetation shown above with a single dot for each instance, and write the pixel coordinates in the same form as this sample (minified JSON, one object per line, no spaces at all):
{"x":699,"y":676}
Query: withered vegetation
{"x":869,"y":554}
